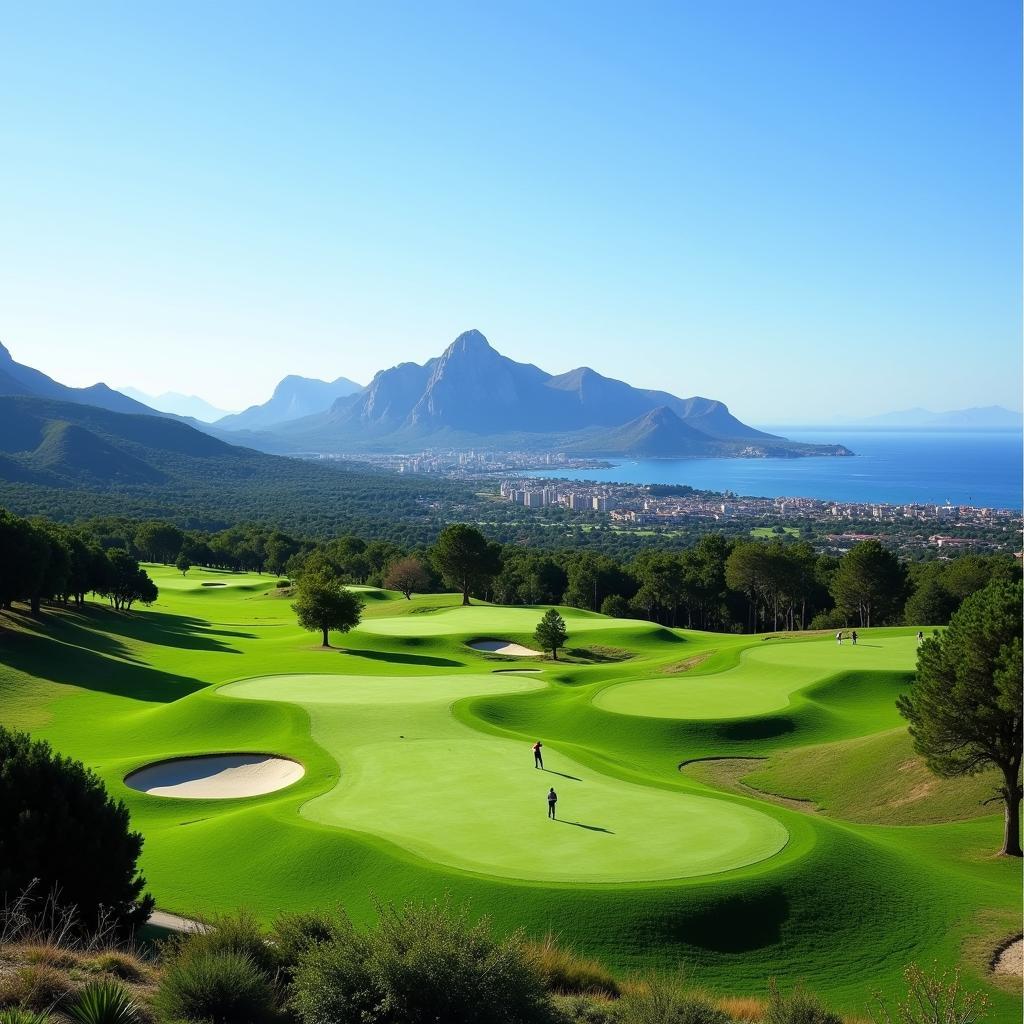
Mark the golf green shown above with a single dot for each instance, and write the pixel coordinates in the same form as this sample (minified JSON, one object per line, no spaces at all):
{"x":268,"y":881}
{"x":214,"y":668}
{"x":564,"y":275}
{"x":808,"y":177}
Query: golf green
{"x":413,"y":775}
{"x":418,"y":780}
{"x":763,"y":681}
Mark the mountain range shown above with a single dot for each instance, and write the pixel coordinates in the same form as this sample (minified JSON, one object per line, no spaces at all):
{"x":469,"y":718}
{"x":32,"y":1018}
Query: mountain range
{"x":188,"y":406}
{"x":469,"y":396}
{"x":990,"y":417}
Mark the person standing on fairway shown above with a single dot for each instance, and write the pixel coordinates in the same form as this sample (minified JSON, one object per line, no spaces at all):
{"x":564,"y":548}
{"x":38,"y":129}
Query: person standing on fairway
{"x":538,"y":757}
{"x":839,"y":638}
{"x":552,"y":800}
{"x":853,"y":638}
{"x":920,"y":637}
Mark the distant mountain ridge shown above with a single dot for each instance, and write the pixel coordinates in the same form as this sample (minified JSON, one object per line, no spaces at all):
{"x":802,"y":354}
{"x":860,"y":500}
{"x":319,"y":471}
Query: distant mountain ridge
{"x":177,"y":404}
{"x":472,"y":394}
{"x":976,"y":418}
{"x":18,"y":379}
{"x":293,"y":398}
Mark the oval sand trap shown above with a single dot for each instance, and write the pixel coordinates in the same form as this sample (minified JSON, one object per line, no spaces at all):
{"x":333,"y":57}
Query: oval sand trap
{"x":504,"y":647}
{"x":216,"y":776}
{"x":1011,"y":959}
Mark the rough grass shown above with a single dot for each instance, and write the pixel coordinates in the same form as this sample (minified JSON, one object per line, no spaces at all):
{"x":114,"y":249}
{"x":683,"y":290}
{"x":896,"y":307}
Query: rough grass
{"x":846,"y":905}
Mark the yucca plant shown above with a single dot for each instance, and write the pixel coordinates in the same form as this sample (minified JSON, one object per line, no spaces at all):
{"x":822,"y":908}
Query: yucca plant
{"x":104,"y":1002}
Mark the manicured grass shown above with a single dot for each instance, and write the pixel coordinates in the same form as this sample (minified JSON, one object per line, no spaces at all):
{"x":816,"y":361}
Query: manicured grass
{"x":419,"y":781}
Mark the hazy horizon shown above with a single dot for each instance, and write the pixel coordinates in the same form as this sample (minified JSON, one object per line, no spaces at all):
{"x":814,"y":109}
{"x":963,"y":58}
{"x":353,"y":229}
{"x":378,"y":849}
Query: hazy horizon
{"x":790,"y":209}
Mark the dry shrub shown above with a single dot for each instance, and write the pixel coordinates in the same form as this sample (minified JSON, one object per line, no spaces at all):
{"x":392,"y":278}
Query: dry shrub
{"x":35,"y":987}
{"x":120,"y":964}
{"x":743,"y":1008}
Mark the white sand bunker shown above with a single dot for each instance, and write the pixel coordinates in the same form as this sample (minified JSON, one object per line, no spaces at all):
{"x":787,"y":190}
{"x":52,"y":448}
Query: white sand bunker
{"x":1011,"y":959}
{"x":504,"y":647}
{"x":517,"y":671}
{"x":216,"y":776}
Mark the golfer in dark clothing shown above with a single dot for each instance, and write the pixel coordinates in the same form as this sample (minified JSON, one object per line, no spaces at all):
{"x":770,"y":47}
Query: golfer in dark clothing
{"x":853,"y":638}
{"x":552,"y":800}
{"x":538,"y":757}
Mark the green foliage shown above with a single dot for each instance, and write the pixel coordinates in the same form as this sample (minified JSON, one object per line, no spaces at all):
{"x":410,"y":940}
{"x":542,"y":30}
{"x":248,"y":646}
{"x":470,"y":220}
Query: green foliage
{"x":294,"y":933}
{"x":222,"y":987}
{"x":615,"y":606}
{"x":60,"y":830}
{"x":103,"y":1002}
{"x":667,"y":1000}
{"x":238,"y":932}
{"x":799,"y":1007}
{"x":871,"y":583}
{"x":464,"y":558}
{"x":407,"y":575}
{"x":421,"y":963}
{"x":965,"y":709}
{"x":183,"y":563}
{"x":551,"y":633}
{"x":16,"y":1015}
{"x":323,"y":603}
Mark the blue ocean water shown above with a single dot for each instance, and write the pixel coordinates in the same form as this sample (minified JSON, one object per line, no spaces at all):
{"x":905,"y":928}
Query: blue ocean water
{"x":981,"y":468}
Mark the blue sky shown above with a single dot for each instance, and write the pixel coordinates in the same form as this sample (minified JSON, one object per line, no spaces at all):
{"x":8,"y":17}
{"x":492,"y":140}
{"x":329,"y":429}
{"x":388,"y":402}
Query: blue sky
{"x":804,"y":209}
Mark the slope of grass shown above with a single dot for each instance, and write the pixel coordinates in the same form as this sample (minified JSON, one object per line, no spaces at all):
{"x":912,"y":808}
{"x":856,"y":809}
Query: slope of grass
{"x":419,"y":781}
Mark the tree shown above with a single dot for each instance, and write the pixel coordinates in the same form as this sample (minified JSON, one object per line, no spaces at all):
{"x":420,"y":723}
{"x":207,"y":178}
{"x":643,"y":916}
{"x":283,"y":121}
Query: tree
{"x":464,"y":558}
{"x":60,"y":828}
{"x":158,"y":542}
{"x":616,"y":606}
{"x":870,"y":583}
{"x":324,"y":603}
{"x":965,"y":707}
{"x":125,"y":582}
{"x":183,"y":564}
{"x":407,"y":575}
{"x":551,"y":633}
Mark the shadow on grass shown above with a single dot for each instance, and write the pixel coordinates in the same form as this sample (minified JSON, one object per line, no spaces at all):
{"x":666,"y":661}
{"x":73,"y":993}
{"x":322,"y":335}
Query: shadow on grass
{"x":551,"y":771}
{"x":589,"y":828}
{"x":404,"y":659}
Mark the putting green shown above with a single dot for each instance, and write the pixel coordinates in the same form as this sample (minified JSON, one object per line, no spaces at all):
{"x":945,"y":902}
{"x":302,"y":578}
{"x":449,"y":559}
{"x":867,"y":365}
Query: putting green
{"x":414,"y":776}
{"x":763,"y":681}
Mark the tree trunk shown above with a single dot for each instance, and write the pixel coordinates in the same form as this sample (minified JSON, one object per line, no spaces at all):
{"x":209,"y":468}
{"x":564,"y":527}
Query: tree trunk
{"x":1011,"y":819}
{"x":465,"y":592}
{"x":35,"y":604}
{"x":554,"y":653}
{"x":327,"y":642}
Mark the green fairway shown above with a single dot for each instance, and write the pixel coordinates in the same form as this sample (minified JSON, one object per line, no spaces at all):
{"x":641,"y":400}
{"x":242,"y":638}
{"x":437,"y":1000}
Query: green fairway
{"x":764,"y":680}
{"x":413,"y":775}
{"x":419,"y":780}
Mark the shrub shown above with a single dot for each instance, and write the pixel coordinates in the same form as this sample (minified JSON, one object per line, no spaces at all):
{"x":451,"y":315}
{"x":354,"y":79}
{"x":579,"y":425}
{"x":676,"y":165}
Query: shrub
{"x":421,"y":963}
{"x":580,"y":1009}
{"x":799,"y":1007}
{"x":219,"y":987}
{"x":60,"y":830}
{"x":294,"y":933}
{"x":121,"y":964}
{"x":935,"y":998}
{"x":565,"y":972}
{"x":832,"y":619}
{"x":332,"y":983}
{"x":616,"y":606}
{"x":239,"y":932}
{"x":34,"y":987}
{"x":103,"y":1002}
{"x":667,"y":1000}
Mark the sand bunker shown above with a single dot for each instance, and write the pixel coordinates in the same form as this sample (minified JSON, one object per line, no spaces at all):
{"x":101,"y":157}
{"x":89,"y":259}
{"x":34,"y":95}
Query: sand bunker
{"x":216,"y":776}
{"x":214,"y":584}
{"x":519,"y":671}
{"x":504,"y":647}
{"x":1011,"y":959}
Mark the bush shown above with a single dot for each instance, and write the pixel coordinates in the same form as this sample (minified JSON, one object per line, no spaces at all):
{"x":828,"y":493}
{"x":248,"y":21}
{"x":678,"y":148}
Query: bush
{"x":103,"y":1002}
{"x":659,"y":1000}
{"x":421,"y":963}
{"x":833,"y":619}
{"x":565,"y":972}
{"x":61,"y":831}
{"x":799,"y":1007}
{"x":121,"y":964}
{"x":294,"y":933}
{"x":581,"y":1009}
{"x":239,"y":932}
{"x":218,"y":987}
{"x":616,"y":606}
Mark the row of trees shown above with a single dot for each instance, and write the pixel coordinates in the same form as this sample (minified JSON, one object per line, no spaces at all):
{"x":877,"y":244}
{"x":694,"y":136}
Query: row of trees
{"x":43,"y":561}
{"x":717,"y":584}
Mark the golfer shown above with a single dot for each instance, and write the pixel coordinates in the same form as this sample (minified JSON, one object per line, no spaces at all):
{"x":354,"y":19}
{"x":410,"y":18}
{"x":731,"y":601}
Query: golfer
{"x":839,"y":638}
{"x":552,"y":800}
{"x":538,"y":757}
{"x":853,"y":638}
{"x":920,"y":637}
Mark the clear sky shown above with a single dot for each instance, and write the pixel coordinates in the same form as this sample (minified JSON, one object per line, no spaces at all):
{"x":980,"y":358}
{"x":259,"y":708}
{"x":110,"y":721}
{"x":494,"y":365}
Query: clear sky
{"x":801,"y":208}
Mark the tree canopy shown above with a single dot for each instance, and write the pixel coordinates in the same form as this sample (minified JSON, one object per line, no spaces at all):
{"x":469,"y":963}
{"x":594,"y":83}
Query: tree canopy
{"x":551,"y":633}
{"x":323,"y":603}
{"x":965,"y":708}
{"x":465,"y":558}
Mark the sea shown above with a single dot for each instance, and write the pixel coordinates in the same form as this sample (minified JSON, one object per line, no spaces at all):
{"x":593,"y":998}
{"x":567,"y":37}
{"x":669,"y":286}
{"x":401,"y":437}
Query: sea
{"x":980,"y":468}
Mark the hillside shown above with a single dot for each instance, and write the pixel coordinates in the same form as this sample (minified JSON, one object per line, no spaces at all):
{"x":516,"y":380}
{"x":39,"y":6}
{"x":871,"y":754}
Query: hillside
{"x":68,"y":460}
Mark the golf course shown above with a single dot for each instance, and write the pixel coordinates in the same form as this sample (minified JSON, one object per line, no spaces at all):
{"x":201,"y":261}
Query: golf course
{"x":748,"y":806}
